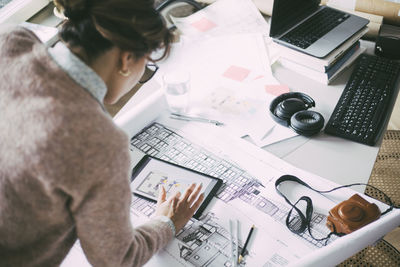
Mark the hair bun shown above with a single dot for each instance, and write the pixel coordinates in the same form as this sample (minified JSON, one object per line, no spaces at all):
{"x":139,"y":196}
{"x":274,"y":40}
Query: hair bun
{"x":76,"y":14}
{"x":73,"y":9}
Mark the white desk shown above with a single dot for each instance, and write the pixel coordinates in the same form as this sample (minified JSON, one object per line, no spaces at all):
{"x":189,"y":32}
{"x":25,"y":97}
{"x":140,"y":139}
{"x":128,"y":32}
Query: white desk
{"x":336,"y":159}
{"x":331,"y":157}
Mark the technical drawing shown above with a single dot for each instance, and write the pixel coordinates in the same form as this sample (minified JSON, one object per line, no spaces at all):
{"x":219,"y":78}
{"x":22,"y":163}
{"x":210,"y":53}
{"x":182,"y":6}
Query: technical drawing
{"x":160,"y":142}
{"x":205,"y":243}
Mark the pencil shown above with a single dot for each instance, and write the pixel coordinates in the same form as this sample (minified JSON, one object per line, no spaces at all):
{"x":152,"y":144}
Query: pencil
{"x":245,"y":244}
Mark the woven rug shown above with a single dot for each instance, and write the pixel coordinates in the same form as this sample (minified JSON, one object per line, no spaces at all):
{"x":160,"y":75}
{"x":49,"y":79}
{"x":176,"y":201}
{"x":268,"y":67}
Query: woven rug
{"x":386,"y":177}
{"x":386,"y":172}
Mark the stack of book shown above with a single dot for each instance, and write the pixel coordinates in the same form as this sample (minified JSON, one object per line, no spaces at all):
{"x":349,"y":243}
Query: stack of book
{"x":325,"y":69}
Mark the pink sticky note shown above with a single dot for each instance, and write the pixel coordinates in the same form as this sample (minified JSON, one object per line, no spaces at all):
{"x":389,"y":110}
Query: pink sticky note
{"x":236,"y":73}
{"x":276,"y":89}
{"x":203,"y":25}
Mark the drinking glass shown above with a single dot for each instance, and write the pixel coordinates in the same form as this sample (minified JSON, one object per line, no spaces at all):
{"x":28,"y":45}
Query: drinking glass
{"x":176,"y":88}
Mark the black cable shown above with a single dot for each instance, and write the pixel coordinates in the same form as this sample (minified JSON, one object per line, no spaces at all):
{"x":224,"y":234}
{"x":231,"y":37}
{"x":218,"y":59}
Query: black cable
{"x":305,"y":220}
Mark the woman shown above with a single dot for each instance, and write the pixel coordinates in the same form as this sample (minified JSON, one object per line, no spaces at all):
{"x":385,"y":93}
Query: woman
{"x":64,"y":166}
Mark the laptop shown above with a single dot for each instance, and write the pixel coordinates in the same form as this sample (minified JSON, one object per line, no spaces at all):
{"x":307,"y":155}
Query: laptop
{"x":316,"y":30}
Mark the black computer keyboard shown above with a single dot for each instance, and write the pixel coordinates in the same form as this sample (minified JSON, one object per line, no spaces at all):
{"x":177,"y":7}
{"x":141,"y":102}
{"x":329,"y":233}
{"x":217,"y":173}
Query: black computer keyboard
{"x":316,"y":27}
{"x":366,"y":102}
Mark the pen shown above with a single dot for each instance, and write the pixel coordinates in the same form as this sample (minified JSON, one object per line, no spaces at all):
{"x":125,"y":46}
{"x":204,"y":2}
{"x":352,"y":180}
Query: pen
{"x":245,"y":244}
{"x":190,"y":118}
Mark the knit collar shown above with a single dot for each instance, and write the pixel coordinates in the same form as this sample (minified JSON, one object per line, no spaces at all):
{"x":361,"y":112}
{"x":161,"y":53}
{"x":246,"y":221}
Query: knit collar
{"x":79,"y":71}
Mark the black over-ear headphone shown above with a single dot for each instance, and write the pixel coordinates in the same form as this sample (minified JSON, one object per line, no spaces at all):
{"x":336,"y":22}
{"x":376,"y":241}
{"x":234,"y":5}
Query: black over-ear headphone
{"x":291,"y":109}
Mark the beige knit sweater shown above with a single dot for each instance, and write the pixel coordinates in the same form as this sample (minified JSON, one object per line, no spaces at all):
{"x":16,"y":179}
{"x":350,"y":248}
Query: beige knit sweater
{"x":64,"y":168}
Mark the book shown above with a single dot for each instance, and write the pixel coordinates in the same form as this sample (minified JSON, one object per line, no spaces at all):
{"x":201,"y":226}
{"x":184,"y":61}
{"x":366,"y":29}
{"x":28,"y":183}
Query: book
{"x":330,"y":70}
{"x":320,"y":64}
{"x":322,"y":77}
{"x":342,"y":60}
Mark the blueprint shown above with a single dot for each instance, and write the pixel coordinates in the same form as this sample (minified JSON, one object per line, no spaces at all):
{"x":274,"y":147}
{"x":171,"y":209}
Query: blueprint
{"x":248,"y":196}
{"x":206,"y":242}
{"x":158,"y":141}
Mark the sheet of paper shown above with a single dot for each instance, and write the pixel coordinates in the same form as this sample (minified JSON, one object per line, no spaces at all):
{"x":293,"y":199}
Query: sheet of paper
{"x":227,"y":81}
{"x":276,"y":89}
{"x":264,"y":6}
{"x":223,"y":63}
{"x":248,"y":195}
{"x":275,"y":132}
{"x":221,"y":18}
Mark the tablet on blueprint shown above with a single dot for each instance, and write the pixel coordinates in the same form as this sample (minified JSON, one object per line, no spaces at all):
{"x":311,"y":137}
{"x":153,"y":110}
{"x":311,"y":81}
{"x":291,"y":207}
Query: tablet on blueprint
{"x":150,"y":173}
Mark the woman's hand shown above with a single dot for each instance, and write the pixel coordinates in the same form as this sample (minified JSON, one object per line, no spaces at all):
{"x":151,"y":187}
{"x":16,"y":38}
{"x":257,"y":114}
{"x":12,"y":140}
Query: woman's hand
{"x":179,"y":209}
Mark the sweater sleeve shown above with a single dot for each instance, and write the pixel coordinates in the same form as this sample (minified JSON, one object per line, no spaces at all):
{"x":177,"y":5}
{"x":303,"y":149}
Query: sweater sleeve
{"x":100,"y":205}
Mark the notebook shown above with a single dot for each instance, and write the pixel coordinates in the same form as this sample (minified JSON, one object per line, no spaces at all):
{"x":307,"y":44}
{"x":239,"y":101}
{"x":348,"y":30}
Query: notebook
{"x":316,"y":30}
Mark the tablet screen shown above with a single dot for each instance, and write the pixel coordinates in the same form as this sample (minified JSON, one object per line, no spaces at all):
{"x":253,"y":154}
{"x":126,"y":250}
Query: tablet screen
{"x":150,"y":173}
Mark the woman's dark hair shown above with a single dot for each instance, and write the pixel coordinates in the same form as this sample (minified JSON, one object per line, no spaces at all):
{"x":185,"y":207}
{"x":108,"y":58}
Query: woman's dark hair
{"x":98,"y":25}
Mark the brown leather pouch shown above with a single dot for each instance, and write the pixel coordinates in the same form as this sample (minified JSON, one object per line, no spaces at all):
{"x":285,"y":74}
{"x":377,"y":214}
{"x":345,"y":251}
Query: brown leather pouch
{"x":351,"y":215}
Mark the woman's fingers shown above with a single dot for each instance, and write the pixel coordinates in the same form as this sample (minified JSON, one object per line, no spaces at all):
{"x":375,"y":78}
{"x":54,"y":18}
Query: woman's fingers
{"x":188,"y":192}
{"x":194,"y":194}
{"x":161,"y":195}
{"x":175,"y":200}
{"x":174,"y":196}
{"x":187,"y":201}
{"x":196,"y":204}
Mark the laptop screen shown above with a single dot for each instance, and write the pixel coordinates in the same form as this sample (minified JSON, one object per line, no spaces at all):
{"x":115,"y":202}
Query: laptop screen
{"x":288,"y":13}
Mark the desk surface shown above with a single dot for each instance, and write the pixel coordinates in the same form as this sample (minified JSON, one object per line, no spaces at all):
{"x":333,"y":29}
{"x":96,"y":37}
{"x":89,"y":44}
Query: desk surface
{"x":336,"y":159}
{"x":333,"y":158}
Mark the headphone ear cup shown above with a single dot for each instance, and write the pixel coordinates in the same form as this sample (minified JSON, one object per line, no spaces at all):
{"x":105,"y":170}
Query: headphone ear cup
{"x":286,"y":108}
{"x":307,"y":122}
{"x":281,"y":113}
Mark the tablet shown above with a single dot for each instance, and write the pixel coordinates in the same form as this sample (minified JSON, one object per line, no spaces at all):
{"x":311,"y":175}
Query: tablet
{"x":150,"y":173}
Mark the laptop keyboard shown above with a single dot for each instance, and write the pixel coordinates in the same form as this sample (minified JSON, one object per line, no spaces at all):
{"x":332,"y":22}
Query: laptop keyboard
{"x":314,"y":28}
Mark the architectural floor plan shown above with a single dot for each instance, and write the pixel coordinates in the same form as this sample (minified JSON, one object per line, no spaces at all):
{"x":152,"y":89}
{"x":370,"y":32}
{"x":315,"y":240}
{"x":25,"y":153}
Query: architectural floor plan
{"x":247,"y":197}
{"x":204,"y":242}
